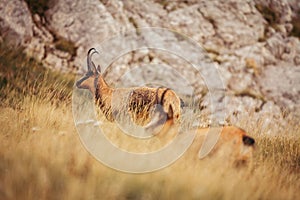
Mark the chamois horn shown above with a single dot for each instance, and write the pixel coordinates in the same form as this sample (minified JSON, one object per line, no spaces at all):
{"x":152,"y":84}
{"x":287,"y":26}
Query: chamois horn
{"x":90,"y":63}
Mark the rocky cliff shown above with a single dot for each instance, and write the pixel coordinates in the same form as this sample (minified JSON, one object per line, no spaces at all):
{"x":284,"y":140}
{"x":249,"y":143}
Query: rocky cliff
{"x":253,"y":43}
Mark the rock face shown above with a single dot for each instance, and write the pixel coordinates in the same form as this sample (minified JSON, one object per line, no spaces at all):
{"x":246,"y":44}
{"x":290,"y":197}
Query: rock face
{"x":251,"y":43}
{"x":16,"y":23}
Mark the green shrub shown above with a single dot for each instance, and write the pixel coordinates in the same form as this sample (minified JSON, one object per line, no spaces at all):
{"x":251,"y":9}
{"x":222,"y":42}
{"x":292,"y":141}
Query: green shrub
{"x":296,"y":25}
{"x":38,"y":6}
{"x":65,"y":45}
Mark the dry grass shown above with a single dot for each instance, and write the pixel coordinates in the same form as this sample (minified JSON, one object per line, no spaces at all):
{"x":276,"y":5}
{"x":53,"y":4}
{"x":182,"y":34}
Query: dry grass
{"x":41,"y":156}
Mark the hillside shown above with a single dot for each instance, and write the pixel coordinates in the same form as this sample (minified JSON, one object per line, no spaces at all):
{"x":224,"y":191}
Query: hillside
{"x":241,"y":56}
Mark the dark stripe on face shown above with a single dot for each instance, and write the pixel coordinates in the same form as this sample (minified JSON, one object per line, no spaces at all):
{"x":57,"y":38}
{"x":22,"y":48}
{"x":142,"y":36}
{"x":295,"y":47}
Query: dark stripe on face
{"x":78,"y":83}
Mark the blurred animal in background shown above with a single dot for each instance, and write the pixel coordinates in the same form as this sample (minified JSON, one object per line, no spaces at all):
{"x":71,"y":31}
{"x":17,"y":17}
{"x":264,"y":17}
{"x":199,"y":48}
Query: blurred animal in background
{"x":233,"y":144}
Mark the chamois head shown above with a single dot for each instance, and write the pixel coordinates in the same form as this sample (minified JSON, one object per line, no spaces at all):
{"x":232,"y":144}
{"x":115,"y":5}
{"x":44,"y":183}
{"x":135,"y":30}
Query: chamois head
{"x":89,"y":79}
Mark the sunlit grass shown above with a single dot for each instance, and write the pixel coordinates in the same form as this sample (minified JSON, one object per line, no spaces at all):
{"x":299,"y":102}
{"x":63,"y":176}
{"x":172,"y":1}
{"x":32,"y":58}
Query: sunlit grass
{"x":41,"y":156}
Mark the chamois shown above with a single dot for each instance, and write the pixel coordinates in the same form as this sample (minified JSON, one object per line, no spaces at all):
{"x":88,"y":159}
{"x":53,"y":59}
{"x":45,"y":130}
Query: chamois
{"x":139,"y":102}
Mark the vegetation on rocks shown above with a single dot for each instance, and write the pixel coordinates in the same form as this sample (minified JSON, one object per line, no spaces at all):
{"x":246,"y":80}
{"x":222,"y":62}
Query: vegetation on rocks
{"x":38,"y":6}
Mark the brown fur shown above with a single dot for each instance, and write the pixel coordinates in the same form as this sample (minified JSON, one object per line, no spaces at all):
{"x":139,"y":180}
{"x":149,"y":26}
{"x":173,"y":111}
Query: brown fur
{"x":139,"y":101}
{"x":231,"y":145}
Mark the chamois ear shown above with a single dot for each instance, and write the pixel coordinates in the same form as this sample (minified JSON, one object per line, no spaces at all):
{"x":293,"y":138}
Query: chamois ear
{"x":99,"y":69}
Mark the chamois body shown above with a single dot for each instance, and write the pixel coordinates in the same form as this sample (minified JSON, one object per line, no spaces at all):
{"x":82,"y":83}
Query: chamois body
{"x":139,"y":102}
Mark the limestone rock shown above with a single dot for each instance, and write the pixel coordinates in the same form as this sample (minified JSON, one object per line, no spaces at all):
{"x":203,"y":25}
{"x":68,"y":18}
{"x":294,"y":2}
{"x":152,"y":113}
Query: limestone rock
{"x":16,"y":22}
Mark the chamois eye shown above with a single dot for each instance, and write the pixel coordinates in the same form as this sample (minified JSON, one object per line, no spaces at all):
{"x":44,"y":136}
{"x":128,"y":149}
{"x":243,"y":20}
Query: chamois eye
{"x":248,"y":140}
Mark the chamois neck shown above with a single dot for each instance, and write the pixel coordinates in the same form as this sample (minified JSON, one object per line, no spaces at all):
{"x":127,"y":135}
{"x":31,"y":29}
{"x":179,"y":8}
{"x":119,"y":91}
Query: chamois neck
{"x":100,"y":86}
{"x":100,"y":82}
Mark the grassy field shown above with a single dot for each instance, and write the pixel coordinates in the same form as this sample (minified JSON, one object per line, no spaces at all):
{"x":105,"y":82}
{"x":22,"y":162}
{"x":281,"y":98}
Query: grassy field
{"x":41,"y":156}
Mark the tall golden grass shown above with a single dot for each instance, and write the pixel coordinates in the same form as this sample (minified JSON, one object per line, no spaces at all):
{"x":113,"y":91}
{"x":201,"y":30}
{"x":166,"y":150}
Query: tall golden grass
{"x":41,"y":156}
